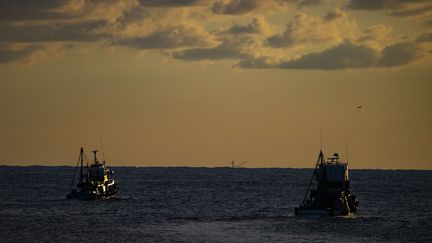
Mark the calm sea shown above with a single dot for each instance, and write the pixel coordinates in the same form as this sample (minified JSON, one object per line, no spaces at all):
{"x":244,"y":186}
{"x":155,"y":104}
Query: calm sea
{"x":210,"y":205}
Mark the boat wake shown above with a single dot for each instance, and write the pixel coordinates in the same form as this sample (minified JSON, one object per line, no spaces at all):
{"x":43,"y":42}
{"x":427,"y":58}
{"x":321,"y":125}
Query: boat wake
{"x":118,"y":198}
{"x":232,"y":218}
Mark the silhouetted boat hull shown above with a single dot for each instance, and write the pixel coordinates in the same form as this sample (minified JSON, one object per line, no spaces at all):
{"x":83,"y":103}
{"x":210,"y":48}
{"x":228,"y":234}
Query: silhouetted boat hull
{"x":93,"y":194}
{"x":313,"y":211}
{"x":332,"y":195}
{"x":95,"y":181}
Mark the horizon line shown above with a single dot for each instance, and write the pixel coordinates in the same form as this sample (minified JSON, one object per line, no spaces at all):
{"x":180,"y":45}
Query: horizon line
{"x":212,"y":167}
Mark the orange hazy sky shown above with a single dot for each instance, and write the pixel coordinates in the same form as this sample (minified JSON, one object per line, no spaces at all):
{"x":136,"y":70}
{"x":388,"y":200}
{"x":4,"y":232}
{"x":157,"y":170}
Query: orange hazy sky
{"x":205,"y":82}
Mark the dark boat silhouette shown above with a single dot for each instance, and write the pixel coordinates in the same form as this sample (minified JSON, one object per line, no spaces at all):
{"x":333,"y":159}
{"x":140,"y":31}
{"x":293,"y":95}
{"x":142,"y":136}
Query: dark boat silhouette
{"x":94,"y":182}
{"x":331,"y":194}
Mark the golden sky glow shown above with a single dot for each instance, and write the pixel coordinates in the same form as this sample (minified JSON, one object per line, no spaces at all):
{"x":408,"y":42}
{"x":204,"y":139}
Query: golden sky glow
{"x":205,"y":82}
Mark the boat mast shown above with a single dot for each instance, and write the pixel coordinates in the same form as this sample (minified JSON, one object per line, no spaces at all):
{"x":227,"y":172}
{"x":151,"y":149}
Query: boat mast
{"x":82,"y":161}
{"x":95,"y":158}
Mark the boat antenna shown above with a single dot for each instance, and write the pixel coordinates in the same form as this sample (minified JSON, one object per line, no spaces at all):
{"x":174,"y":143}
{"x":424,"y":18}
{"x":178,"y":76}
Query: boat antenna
{"x":95,"y":157}
{"x":102,"y":148}
{"x":321,"y":140}
{"x":346,"y":150}
{"x":81,"y":158}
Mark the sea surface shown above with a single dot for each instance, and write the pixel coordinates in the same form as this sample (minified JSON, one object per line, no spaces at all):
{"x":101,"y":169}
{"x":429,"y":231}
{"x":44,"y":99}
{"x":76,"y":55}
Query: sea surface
{"x":210,"y":205}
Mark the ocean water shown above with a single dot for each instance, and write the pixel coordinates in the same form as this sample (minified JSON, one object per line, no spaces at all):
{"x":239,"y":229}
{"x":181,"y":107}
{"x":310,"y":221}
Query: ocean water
{"x":210,"y":205}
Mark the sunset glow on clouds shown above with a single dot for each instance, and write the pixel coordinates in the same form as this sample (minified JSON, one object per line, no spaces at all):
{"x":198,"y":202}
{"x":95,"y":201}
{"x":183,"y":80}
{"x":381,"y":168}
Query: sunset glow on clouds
{"x":194,"y":30}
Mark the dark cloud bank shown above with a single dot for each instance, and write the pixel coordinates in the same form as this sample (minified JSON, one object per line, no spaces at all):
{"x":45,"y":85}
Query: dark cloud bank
{"x":345,"y":56}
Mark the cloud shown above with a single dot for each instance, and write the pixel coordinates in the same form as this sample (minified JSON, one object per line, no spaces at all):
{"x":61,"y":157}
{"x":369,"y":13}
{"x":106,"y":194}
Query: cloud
{"x":400,"y":54}
{"x":375,"y":32}
{"x":257,"y":26}
{"x":8,"y":54}
{"x":344,"y":56}
{"x":424,"y":37}
{"x":382,"y":4}
{"x":375,"y":36}
{"x":303,"y":30}
{"x":168,"y":37}
{"x":414,"y":11}
{"x":122,"y":22}
{"x":427,"y":22}
{"x":31,"y":5}
{"x":229,"y":48}
{"x":238,"y":7}
{"x":305,"y":3}
{"x":216,"y":53}
{"x":170,"y":3}
{"x":334,"y":15}
{"x":85,"y":32}
{"x":372,"y":48}
{"x":31,"y":10}
{"x":233,"y":42}
{"x":235,"y":7}
{"x":30,"y":53}
{"x":190,"y":30}
{"x":396,"y":8}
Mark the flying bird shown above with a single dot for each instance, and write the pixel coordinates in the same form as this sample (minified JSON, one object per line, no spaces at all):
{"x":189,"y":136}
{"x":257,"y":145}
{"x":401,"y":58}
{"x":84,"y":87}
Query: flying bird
{"x":359,"y":107}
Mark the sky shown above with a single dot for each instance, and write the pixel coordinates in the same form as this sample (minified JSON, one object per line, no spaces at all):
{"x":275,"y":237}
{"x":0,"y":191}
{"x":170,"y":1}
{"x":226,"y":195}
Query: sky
{"x":206,"y":82}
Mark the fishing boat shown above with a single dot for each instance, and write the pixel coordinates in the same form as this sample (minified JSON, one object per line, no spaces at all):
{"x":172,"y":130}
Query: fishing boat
{"x":328,"y":191}
{"x":94,"y":182}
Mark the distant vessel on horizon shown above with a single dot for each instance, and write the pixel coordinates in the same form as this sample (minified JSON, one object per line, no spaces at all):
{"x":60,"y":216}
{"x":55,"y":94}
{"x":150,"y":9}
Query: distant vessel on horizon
{"x":234,"y":166}
{"x":95,"y":181}
{"x":331,"y":195}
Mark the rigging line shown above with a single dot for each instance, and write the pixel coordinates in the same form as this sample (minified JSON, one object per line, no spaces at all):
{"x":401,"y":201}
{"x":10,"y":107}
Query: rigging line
{"x":319,"y":160}
{"x":86,"y":160}
{"x":244,"y":162}
{"x":76,"y":169}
